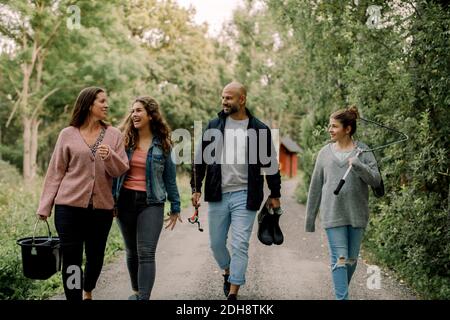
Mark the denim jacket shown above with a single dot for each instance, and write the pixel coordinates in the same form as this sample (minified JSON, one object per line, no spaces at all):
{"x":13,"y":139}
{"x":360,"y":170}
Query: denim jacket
{"x":160,"y":177}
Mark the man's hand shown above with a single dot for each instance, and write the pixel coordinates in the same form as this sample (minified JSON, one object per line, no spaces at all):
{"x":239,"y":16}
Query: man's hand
{"x":274,"y":203}
{"x":196,"y":199}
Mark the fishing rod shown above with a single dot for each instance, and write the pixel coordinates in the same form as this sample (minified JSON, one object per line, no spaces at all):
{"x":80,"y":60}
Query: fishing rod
{"x":360,"y":150}
{"x":194,"y":219}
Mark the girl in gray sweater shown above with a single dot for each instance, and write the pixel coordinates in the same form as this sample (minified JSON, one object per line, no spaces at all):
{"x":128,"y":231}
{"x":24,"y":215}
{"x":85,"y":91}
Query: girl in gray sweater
{"x":344,"y":216}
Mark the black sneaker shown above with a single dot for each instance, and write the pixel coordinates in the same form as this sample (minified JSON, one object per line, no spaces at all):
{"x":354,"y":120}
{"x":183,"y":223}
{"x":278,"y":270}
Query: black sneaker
{"x":226,"y":285}
{"x":134,"y":296}
{"x":232,"y":297}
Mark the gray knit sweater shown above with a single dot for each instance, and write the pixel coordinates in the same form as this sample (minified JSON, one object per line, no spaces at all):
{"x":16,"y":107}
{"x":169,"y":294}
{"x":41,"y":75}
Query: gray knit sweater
{"x":350,"y":206}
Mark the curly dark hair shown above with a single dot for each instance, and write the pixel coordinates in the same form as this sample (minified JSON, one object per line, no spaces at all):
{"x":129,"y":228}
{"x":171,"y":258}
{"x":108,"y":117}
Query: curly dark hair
{"x":158,"y":125}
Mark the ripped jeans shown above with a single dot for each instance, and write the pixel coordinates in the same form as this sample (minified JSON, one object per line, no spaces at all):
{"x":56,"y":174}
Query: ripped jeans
{"x":344,"y":244}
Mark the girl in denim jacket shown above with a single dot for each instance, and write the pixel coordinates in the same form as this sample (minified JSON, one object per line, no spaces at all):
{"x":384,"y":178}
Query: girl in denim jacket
{"x":140,"y":194}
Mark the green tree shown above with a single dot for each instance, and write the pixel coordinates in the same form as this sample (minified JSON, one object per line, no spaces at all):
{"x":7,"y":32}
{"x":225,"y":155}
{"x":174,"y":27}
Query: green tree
{"x":263,"y":49}
{"x":186,"y":72}
{"x":53,"y":58}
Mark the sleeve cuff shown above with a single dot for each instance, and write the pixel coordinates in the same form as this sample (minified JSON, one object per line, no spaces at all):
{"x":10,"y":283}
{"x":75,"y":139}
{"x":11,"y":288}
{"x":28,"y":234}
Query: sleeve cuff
{"x":109,"y":154}
{"x":310,"y":227}
{"x":175,"y":208}
{"x":275,"y":194}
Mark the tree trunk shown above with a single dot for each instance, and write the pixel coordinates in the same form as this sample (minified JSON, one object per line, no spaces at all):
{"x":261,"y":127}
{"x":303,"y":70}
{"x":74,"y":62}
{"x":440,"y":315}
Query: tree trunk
{"x":27,"y":118}
{"x":35,"y":122}
{"x":0,"y":142}
{"x":27,"y":124}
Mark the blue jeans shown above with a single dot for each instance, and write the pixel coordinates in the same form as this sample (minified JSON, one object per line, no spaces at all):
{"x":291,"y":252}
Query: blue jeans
{"x":344,"y":244}
{"x":228,"y":213}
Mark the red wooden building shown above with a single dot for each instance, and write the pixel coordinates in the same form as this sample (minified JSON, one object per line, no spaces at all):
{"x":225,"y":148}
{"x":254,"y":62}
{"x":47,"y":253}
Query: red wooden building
{"x":288,"y":157}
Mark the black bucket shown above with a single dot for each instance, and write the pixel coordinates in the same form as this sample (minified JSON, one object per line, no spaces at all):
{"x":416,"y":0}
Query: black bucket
{"x":40,"y":255}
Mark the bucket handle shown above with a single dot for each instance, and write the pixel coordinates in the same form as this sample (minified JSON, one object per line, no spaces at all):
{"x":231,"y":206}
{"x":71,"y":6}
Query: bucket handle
{"x":48,"y":228}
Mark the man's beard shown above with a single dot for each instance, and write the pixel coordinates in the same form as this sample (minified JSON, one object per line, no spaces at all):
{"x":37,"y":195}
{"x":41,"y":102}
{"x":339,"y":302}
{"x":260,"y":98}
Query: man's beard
{"x":231,"y":110}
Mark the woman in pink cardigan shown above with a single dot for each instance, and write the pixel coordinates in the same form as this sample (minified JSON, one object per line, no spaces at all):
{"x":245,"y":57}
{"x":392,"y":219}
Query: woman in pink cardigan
{"x":87,"y":156}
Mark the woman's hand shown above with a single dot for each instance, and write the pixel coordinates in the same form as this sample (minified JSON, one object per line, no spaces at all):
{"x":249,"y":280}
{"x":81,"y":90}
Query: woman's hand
{"x":103,"y":151}
{"x":41,"y":217}
{"x":173,"y":220}
{"x":350,"y":160}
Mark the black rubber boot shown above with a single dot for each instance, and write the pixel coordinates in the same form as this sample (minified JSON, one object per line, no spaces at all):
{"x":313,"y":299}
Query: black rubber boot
{"x":278,"y":237}
{"x":226,"y":285}
{"x":265,"y":228}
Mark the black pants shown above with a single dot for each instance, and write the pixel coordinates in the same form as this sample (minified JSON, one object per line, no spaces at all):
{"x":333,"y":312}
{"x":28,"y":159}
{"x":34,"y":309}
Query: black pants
{"x":78,"y":227}
{"x":141,"y":227}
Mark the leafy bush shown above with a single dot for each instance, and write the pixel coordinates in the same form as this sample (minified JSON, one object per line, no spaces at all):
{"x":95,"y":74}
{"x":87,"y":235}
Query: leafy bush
{"x":398,"y":74}
{"x":18,"y":204}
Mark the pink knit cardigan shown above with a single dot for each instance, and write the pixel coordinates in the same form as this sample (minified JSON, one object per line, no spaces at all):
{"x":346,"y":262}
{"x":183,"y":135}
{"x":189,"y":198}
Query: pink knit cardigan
{"x":74,"y":175}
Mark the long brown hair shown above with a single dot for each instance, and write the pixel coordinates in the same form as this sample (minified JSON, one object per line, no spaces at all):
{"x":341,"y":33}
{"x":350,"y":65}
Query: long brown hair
{"x":158,"y":125}
{"x":347,"y":117}
{"x":83,"y":104}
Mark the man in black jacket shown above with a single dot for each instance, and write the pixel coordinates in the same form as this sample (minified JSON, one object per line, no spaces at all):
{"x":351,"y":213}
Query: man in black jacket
{"x":236,"y":150}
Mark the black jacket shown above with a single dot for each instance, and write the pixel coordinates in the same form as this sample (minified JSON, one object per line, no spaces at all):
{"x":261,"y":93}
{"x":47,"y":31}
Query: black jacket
{"x":213,"y":182}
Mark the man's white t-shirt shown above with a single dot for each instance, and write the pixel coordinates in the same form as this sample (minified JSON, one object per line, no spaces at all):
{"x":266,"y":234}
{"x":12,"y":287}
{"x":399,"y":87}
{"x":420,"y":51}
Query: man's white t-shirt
{"x":234,"y":156}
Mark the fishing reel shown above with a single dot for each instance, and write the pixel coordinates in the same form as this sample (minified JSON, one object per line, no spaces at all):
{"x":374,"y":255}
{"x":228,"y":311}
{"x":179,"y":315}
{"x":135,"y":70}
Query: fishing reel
{"x":194,"y":219}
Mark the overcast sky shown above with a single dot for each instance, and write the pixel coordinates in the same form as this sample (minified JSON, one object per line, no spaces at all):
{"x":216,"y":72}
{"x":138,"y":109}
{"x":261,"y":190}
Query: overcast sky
{"x":214,"y":12}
